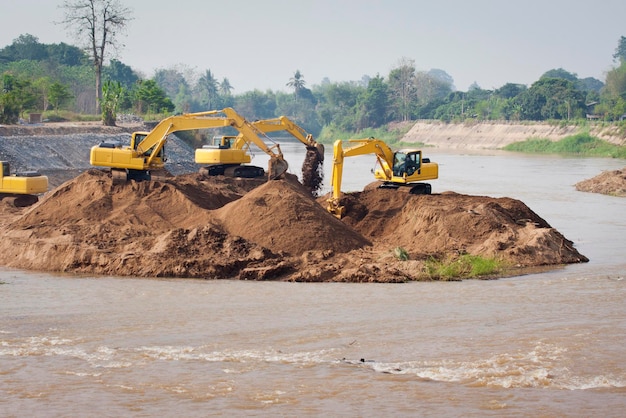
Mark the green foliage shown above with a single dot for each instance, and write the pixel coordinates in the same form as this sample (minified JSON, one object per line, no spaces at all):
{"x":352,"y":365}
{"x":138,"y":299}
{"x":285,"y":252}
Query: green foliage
{"x":58,"y":95}
{"x":330,"y":133}
{"x":150,"y":98}
{"x":579,"y":144}
{"x":465,"y":266}
{"x":401,"y":254}
{"x":551,"y":98}
{"x":121,"y":73}
{"x":620,"y":51}
{"x":333,"y":110}
{"x":27,"y":48}
{"x":111,"y":94}
{"x":16,"y":96}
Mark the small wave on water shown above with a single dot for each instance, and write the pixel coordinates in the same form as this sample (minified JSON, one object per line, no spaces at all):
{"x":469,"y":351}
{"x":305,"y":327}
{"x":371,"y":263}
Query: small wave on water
{"x":542,"y":367}
{"x":539,"y":368}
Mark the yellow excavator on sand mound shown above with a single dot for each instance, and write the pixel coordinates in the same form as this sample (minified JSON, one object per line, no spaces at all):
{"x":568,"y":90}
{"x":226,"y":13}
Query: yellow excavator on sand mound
{"x":22,"y":188}
{"x":404,"y":168}
{"x":235,"y":149}
{"x":146,"y":149}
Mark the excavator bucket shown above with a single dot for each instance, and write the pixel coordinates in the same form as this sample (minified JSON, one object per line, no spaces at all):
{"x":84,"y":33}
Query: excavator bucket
{"x":319,"y":149}
{"x":335,"y":208}
{"x":277,"y":167}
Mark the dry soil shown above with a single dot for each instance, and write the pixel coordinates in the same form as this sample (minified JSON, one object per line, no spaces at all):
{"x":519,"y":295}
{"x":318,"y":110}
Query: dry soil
{"x":608,"y":182}
{"x":250,"y":229}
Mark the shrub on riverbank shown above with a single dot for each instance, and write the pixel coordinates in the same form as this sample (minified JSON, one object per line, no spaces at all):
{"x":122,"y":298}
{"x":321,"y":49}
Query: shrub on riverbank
{"x":465,"y":266}
{"x":579,"y":144}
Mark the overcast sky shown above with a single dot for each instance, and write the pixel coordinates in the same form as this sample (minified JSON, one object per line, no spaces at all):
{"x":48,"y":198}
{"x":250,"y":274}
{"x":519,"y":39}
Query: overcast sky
{"x":259,"y":44}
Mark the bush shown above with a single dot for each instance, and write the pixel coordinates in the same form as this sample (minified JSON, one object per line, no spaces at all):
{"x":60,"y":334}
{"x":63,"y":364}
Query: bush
{"x":465,"y":266}
{"x":579,"y":144}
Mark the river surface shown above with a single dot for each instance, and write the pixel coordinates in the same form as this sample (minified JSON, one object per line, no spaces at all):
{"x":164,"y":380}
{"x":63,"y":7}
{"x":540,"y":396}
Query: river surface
{"x":546,"y":344}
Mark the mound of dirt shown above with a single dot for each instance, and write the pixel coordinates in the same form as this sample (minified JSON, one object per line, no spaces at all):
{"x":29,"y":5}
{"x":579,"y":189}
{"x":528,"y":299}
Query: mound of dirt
{"x":283,"y":217}
{"x":437,"y":225}
{"x":219,"y":227}
{"x":608,"y":182}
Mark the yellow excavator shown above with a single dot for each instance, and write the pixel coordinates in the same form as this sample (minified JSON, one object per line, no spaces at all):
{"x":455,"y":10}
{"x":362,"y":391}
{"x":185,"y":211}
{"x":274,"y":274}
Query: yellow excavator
{"x":147,"y":149}
{"x":234,"y":149}
{"x":21,"y":188}
{"x":404,"y":168}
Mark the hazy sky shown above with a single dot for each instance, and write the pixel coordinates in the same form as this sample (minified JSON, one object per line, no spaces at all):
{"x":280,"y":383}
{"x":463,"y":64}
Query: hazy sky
{"x":259,"y":44}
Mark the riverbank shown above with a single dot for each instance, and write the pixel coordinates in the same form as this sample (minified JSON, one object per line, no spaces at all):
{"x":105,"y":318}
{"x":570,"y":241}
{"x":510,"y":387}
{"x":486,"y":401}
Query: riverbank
{"x":496,"y":135}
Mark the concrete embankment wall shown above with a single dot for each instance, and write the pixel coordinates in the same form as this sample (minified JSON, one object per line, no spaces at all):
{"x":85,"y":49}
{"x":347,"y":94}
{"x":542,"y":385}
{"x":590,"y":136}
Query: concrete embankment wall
{"x":495,"y":135}
{"x":62,"y":155}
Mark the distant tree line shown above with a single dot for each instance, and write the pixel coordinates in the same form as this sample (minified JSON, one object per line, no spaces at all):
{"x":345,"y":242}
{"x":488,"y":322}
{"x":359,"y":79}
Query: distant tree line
{"x":53,"y":78}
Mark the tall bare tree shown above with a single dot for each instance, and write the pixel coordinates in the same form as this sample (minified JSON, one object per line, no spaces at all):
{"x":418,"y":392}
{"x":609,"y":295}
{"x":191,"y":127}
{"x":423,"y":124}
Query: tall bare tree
{"x":97,"y":24}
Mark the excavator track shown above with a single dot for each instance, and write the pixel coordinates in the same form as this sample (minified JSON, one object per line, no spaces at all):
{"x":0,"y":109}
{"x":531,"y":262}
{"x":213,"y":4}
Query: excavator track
{"x":421,"y":188}
{"x":19,"y":200}
{"x":413,"y":188}
{"x":244,"y":171}
{"x":119,"y":176}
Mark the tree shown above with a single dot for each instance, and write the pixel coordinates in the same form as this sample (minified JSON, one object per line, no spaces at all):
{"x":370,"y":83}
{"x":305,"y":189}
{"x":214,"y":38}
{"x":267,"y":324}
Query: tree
{"x":373,"y":104}
{"x":560,"y":73}
{"x":118,"y":71}
{"x":170,"y":80}
{"x":97,"y":23}
{"x":16,"y":96}
{"x":297,"y":83}
{"x":150,"y":97}
{"x":402,"y":87}
{"x":58,"y":95}
{"x":442,"y":76}
{"x":620,"y":51}
{"x":225,"y":87}
{"x":25,"y":47}
{"x":551,"y":98}
{"x":207,"y":87}
{"x":509,"y":90}
{"x":111,"y":94}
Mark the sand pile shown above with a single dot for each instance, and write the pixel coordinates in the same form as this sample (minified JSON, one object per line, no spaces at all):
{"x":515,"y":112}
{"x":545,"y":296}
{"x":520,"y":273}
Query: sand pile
{"x":608,"y":182}
{"x":192,"y":226}
{"x":427,"y":225}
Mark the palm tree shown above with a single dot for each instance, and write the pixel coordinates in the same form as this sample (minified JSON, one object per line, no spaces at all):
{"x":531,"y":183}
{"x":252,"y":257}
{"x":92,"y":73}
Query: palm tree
{"x":207,"y":84}
{"x":297,"y":83}
{"x":225,"y":87}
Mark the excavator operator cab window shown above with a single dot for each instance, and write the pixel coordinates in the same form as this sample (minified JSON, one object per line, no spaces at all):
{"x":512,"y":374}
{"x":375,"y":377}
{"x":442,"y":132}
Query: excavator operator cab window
{"x":412,"y":163}
{"x":398,"y":163}
{"x":224,"y":143}
{"x":137,"y":138}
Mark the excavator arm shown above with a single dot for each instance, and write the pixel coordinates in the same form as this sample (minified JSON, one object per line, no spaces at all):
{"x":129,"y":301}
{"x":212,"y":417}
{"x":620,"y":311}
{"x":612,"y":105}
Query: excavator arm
{"x":384,"y":156}
{"x":152,"y":144}
{"x":283,"y":123}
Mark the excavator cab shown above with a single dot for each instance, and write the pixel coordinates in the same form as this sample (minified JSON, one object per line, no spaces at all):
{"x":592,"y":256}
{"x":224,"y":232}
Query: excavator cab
{"x":406,"y":163}
{"x":223,"y":142}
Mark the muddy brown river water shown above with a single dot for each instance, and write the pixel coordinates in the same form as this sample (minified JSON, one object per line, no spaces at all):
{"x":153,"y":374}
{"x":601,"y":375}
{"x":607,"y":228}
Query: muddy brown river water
{"x":544,"y":344}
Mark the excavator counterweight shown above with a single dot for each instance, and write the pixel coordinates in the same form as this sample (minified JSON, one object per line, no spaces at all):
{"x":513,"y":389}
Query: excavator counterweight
{"x":21,"y":188}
